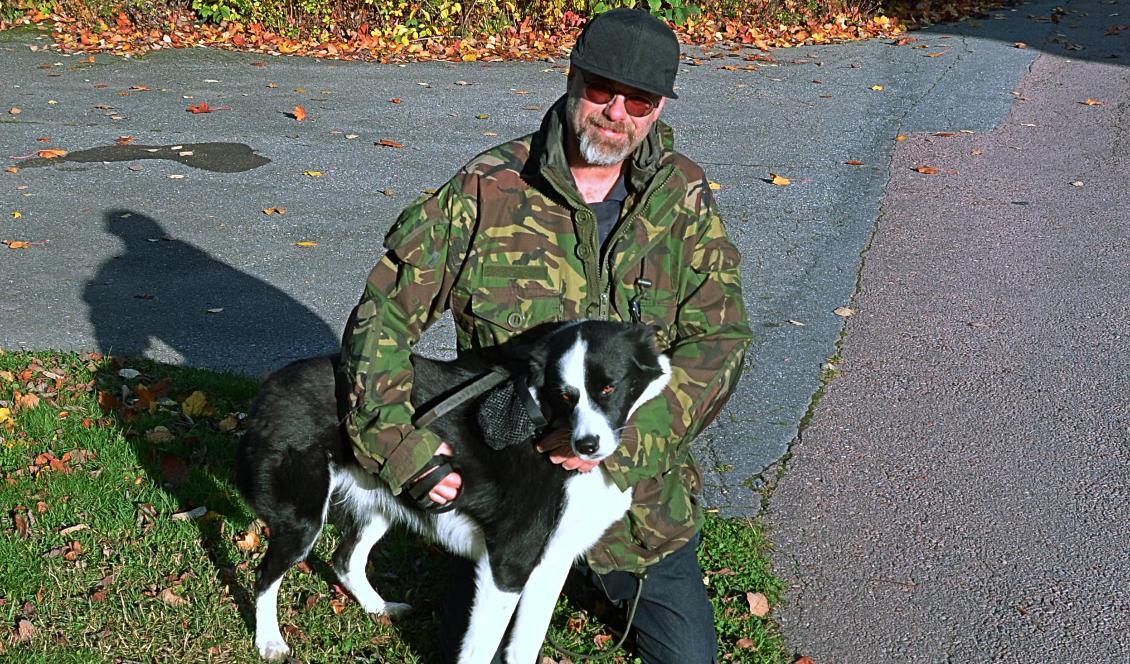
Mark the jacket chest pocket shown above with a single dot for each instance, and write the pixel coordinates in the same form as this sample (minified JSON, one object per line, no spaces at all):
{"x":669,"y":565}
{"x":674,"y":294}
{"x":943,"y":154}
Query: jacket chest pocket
{"x":499,"y":312}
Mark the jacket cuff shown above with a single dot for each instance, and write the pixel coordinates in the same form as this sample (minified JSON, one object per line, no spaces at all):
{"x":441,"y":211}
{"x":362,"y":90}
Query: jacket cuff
{"x":413,"y":452}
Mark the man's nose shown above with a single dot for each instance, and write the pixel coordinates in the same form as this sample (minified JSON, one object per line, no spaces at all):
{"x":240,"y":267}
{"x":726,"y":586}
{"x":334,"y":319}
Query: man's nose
{"x":615,"y":111}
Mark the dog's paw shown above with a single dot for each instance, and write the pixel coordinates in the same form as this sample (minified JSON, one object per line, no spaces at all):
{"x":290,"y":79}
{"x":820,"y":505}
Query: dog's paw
{"x":396,"y":609}
{"x":273,"y":651}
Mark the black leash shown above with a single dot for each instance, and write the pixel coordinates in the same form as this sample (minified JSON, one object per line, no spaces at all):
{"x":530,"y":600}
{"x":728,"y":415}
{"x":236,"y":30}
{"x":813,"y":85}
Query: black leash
{"x":476,"y":387}
{"x":623,"y":637}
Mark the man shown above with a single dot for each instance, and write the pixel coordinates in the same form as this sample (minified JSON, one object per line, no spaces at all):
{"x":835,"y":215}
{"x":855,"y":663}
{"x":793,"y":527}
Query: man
{"x":593,"y":216}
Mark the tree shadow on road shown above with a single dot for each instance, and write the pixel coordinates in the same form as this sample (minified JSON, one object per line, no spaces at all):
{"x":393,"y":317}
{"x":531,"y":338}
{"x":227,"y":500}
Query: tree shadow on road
{"x":1091,"y":30}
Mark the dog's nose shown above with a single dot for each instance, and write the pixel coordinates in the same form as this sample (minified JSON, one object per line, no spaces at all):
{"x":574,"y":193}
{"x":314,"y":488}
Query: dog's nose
{"x":587,"y":445}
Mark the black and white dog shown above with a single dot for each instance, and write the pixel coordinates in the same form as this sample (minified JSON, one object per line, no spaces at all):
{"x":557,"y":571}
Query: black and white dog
{"x":520,"y":518}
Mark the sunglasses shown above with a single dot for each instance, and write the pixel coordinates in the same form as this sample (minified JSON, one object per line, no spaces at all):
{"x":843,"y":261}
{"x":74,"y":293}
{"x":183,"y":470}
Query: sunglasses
{"x":636,"y":105}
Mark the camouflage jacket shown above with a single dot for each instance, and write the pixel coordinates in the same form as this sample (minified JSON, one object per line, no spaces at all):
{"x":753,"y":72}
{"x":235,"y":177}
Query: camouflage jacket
{"x":507,"y":244}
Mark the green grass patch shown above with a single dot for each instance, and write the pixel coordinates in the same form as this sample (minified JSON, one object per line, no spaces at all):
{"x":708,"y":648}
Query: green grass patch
{"x":94,"y":463}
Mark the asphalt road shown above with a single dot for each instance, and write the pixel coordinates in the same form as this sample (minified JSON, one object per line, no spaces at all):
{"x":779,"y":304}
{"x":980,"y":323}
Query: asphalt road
{"x":128,"y":258}
{"x":962,"y":491}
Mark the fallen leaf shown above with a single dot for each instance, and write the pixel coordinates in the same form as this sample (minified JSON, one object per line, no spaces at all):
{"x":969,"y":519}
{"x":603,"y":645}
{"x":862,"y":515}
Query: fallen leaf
{"x":877,"y":88}
{"x":804,"y":660}
{"x":715,"y":186}
{"x":482,"y":116}
{"x":299,"y":113}
{"x":1077,"y":183}
{"x":935,"y":55}
{"x":274,"y":210}
{"x":796,"y":322}
{"x":16,"y":214}
{"x":124,"y":140}
{"x":215,"y":310}
{"x":11,"y":169}
{"x":171,"y":598}
{"x":394,"y":100}
{"x":900,"y":138}
{"x":389,"y":143}
{"x":744,"y":643}
{"x":73,"y":529}
{"x":758,"y":604}
{"x":1020,"y":45}
{"x":176,"y":176}
{"x":195,"y":404}
{"x":844,"y":311}
{"x":601,"y":640}
{"x":5,"y":415}
{"x":189,"y":515}
{"x":313,"y":174}
{"x":247,"y":541}
{"x":926,"y":170}
{"x":24,"y":631}
{"x":202,"y":107}
{"x":228,"y":424}
{"x":21,"y":525}
{"x":51,"y":154}
{"x":14,"y":110}
{"x":945,"y":134}
{"x":854,"y":163}
{"x":174,"y":470}
{"x":306,"y":243}
{"x":16,"y":244}
{"x":159,"y":435}
{"x":1091,"y":102}
{"x":780,"y":180}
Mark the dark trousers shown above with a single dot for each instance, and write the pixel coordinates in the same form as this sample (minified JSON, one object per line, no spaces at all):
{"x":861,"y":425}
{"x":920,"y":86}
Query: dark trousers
{"x":674,"y":622}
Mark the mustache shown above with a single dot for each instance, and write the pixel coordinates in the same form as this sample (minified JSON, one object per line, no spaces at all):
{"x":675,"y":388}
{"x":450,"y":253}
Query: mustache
{"x":622,"y":127}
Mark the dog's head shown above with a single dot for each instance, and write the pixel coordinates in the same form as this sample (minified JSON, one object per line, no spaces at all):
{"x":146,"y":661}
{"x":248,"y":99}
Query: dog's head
{"x":592,"y":375}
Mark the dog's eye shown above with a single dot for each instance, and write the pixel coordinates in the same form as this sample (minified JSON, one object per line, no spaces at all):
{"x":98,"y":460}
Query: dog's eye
{"x":608,"y":389}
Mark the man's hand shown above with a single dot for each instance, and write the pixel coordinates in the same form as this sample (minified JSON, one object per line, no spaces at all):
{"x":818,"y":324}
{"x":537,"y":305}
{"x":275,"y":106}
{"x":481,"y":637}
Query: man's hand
{"x":559,"y":447}
{"x":449,"y":486}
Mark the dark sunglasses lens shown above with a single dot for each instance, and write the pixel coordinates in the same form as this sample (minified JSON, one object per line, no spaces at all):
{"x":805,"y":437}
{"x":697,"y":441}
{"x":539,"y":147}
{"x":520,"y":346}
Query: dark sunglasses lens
{"x":638,"y":106}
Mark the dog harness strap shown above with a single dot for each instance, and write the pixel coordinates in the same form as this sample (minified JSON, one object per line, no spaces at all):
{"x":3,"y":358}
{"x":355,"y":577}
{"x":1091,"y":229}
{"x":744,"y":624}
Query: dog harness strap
{"x":418,"y":487}
{"x":532,"y":407}
{"x":474,"y":389}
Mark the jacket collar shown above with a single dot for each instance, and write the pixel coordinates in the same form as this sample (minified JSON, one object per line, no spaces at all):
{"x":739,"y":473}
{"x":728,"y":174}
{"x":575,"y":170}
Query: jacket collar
{"x":547,"y":151}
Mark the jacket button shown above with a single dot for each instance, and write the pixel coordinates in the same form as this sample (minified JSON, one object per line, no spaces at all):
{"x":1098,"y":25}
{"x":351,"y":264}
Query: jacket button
{"x":583,"y":251}
{"x":515,"y":319}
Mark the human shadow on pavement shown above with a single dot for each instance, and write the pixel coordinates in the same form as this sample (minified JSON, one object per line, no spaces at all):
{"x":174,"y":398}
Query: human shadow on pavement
{"x":164,"y":294}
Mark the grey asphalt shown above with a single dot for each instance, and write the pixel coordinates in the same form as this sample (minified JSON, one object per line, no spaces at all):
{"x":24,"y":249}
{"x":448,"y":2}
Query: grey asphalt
{"x":129,"y":260}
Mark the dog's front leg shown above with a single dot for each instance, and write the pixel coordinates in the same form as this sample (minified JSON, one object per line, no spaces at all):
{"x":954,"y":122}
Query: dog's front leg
{"x":535,"y":610}
{"x":490,"y":614}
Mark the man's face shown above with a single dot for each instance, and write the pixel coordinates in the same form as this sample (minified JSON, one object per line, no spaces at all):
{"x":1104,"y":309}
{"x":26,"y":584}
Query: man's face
{"x":607,"y":133}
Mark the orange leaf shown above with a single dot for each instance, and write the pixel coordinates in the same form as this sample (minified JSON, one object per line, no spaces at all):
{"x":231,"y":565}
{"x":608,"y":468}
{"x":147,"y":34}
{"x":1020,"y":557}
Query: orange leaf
{"x":935,"y":55}
{"x":854,"y":163}
{"x":395,"y":100}
{"x":202,"y":107}
{"x":11,"y":169}
{"x":780,"y":180}
{"x":299,"y":113}
{"x":1092,"y":102}
{"x":926,"y":170}
{"x":388,"y":143}
{"x":16,"y":244}
{"x":51,"y":154}
{"x":124,"y":140}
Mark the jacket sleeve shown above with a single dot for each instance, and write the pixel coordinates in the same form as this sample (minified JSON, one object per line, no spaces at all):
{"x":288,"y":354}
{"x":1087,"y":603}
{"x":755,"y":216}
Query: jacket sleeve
{"x":404,"y":294}
{"x":710,"y":338}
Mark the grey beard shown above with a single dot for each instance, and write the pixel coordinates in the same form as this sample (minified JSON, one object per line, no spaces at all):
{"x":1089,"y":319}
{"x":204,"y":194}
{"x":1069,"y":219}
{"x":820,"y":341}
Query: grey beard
{"x":598,"y":155}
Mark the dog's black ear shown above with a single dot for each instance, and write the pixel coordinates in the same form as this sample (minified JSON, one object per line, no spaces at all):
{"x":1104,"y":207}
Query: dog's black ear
{"x":648,"y":335}
{"x":535,"y":366}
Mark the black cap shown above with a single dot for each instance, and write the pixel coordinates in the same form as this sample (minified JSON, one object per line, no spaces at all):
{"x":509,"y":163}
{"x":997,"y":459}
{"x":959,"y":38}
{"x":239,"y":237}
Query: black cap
{"x":632,"y":47}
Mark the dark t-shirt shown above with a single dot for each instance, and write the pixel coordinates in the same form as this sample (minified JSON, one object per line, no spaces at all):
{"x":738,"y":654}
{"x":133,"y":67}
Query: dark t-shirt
{"x":608,"y":211}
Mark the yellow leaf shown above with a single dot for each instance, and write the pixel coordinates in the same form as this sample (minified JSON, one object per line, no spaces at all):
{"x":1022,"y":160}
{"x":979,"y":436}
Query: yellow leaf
{"x":900,"y":138}
{"x":313,"y":174}
{"x":195,"y":404}
{"x":306,"y":243}
{"x":877,"y":88}
{"x":1092,"y":102}
{"x":5,"y":415}
{"x":16,"y":214}
{"x":780,"y":180}
{"x":51,"y":154}
{"x":482,"y":116}
{"x":470,"y":57}
{"x":715,"y":186}
{"x":11,"y":169}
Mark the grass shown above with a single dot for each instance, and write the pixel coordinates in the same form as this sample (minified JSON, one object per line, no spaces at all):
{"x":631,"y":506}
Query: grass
{"x":94,"y":465}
